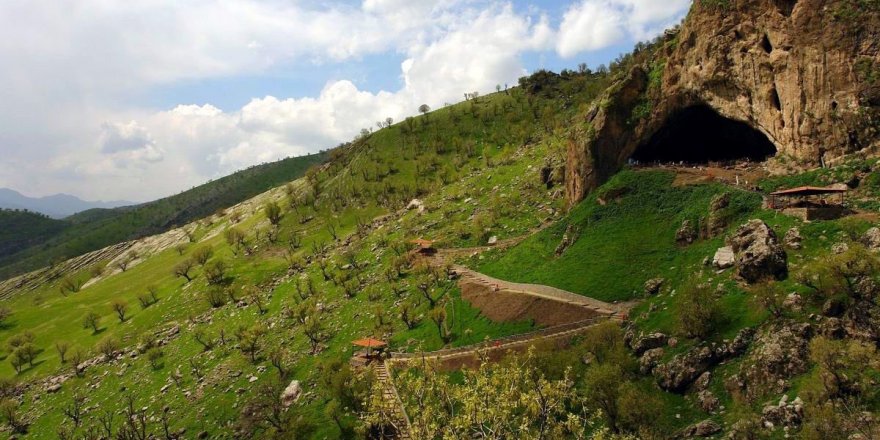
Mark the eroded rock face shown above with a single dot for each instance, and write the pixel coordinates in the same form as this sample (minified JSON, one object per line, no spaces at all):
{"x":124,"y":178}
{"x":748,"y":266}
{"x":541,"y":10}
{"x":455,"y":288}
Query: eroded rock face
{"x":788,"y":68}
{"x":680,"y":372}
{"x":781,"y":351}
{"x":758,"y":253}
{"x":686,"y":234}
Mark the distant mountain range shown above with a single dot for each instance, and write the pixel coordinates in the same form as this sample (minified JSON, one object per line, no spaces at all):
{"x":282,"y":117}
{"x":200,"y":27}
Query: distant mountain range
{"x":56,"y":206}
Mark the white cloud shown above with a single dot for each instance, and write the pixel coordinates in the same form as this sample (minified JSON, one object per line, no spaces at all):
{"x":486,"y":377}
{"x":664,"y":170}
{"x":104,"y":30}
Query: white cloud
{"x":87,"y":62}
{"x":596,"y":24}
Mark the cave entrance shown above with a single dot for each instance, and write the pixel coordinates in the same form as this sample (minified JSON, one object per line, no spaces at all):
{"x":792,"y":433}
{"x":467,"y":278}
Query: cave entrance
{"x":698,"y":134}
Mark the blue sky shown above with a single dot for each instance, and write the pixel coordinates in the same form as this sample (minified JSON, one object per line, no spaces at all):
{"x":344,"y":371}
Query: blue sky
{"x":121,"y":100}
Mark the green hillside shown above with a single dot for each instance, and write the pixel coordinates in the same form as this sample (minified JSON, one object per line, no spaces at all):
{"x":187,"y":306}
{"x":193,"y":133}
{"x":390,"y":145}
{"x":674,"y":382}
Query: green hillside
{"x":22,"y":229}
{"x":96,"y":228}
{"x":196,"y":332}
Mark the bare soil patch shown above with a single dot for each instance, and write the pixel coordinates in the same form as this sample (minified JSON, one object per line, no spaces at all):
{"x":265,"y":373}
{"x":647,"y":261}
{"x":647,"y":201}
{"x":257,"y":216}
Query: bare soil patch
{"x":504,"y":306}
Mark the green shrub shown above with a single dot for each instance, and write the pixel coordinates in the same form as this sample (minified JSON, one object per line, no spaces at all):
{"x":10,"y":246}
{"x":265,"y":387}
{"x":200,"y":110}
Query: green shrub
{"x":699,"y":313}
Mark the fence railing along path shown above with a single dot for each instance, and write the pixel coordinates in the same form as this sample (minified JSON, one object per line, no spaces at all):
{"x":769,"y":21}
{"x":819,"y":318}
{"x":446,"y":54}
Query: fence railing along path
{"x":502,"y":344}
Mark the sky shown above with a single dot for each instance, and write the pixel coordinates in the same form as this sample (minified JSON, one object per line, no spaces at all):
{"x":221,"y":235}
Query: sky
{"x":136,"y":100}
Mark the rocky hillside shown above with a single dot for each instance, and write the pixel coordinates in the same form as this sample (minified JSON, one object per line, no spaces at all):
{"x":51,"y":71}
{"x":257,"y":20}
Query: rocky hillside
{"x":804,"y":74}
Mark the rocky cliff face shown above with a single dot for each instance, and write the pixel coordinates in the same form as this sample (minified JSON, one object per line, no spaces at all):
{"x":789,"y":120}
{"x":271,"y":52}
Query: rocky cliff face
{"x":804,"y":73}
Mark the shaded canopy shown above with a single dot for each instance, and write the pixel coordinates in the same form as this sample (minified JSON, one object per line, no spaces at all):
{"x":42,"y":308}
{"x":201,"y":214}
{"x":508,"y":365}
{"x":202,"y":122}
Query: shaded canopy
{"x":808,"y":191}
{"x":369,"y":343}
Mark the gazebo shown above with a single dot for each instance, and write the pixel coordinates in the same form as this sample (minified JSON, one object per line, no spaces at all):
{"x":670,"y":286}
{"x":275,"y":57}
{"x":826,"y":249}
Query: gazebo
{"x":372,"y":349}
{"x":810,"y":202}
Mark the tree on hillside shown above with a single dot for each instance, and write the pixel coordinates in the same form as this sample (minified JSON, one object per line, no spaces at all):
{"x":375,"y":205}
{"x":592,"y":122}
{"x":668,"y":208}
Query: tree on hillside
{"x":215,"y":272}
{"x":126,"y":261}
{"x":235,"y":238}
{"x":9,"y":413}
{"x":273,"y":212}
{"x":183,"y":268}
{"x":424,"y":109}
{"x":91,"y":321}
{"x":266,"y":415}
{"x":5,"y":313}
{"x":120,"y":307}
{"x":250,"y":340}
{"x":70,"y":284}
{"x":62,"y":347}
{"x":180,"y":248}
{"x":108,"y":346}
{"x":202,"y":254}
{"x":314,"y":329}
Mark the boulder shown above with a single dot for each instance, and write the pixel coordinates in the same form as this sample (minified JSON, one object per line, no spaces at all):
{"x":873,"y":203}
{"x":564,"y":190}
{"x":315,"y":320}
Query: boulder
{"x":686,"y":234}
{"x":716,"y":222}
{"x":793,"y":239}
{"x":702,"y":429}
{"x":832,"y":328}
{"x":291,"y":393}
{"x":649,"y":360}
{"x":794,"y":302}
{"x":781,"y":351}
{"x":702,"y":382}
{"x":652,"y":286}
{"x":724,"y":258}
{"x":647,"y":342}
{"x":707,"y":401}
{"x":839,"y":248}
{"x":685,"y":368}
{"x":493,"y":240}
{"x":416,"y":204}
{"x":758,"y":253}
{"x":871,"y":239}
{"x":788,"y":414}
{"x":568,"y":238}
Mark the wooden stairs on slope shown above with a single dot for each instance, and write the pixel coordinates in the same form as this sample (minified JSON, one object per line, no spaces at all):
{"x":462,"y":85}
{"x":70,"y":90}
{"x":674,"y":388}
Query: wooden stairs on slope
{"x":391,"y":403}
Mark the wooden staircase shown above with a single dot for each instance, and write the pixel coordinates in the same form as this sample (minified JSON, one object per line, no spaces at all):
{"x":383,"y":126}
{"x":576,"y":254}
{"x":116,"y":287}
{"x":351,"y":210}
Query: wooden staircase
{"x":391,"y":403}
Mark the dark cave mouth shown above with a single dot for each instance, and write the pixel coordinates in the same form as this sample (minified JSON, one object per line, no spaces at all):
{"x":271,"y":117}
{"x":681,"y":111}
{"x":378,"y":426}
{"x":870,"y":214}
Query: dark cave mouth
{"x":698,"y":135}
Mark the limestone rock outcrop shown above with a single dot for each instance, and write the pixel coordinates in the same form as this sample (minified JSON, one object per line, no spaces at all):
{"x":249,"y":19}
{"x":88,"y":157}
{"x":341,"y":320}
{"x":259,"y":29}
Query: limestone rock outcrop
{"x":758,"y":252}
{"x":781,"y":351}
{"x":797,"y":71}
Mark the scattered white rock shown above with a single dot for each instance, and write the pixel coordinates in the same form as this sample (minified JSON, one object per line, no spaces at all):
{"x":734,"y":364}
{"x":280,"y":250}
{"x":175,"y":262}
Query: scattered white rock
{"x":724,"y":258}
{"x":291,"y":393}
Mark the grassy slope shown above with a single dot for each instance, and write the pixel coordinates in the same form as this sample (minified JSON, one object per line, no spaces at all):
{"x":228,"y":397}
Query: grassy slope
{"x":623,"y":243}
{"x":94,"y":229}
{"x":453,"y":154}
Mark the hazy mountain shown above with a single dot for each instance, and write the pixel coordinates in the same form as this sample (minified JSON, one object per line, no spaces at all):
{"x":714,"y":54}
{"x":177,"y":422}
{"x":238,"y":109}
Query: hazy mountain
{"x":57,"y":206}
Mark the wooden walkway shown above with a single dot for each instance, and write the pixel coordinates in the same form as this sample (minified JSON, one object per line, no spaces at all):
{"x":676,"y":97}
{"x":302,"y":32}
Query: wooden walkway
{"x":502,"y":344}
{"x":392,"y":406}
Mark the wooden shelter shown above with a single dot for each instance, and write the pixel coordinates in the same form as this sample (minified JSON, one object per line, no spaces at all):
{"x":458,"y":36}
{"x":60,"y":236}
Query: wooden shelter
{"x":810,"y":202}
{"x":372,"y":349}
